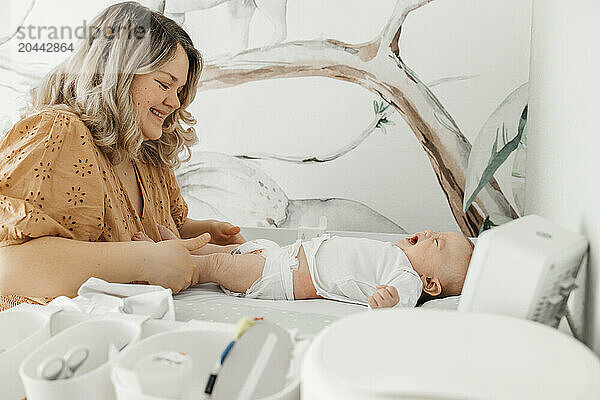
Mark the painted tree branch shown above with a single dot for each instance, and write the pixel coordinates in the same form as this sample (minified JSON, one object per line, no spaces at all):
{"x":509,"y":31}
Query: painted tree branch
{"x":7,"y":38}
{"x":334,"y":155}
{"x":391,"y":33}
{"x":328,"y":156}
{"x":385,"y":74}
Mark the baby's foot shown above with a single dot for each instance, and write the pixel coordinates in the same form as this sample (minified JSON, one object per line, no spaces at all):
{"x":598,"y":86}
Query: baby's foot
{"x":141,"y":236}
{"x":165,"y":233}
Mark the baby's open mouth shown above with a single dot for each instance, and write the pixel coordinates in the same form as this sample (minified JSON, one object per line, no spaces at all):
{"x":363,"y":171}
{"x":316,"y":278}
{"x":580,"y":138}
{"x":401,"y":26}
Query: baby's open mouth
{"x":413,"y":240}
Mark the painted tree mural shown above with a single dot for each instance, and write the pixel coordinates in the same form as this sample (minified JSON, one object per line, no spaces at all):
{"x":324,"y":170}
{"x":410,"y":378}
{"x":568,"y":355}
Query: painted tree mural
{"x":378,"y":67}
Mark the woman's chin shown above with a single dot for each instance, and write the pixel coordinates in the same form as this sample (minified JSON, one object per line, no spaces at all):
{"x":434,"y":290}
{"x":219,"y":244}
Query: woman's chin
{"x":152,"y":135}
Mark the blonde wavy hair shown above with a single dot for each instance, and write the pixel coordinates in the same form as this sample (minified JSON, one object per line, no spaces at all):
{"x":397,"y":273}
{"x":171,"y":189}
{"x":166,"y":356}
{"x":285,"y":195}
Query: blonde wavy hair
{"x":94,"y":83}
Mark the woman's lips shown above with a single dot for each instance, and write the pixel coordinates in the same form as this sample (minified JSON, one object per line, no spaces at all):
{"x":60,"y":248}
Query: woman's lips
{"x":155,"y":112}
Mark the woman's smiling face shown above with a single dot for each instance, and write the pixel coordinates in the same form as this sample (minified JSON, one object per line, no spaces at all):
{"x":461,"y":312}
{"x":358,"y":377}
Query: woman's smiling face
{"x":155,"y":94}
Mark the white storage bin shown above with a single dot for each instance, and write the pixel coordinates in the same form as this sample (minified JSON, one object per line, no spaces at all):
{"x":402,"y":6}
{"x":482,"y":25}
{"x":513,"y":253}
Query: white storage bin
{"x":92,"y":379}
{"x":22,"y":332}
{"x":203,"y":343}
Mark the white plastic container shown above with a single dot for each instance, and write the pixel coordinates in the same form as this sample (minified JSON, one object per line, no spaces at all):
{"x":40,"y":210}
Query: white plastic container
{"x":202,"y":342}
{"x":22,"y":332}
{"x":441,"y":355}
{"x":92,"y":380}
{"x":166,"y":374}
{"x":203,"y":345}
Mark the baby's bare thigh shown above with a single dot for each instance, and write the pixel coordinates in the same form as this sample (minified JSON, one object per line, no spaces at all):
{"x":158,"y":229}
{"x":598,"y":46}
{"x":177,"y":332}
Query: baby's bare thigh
{"x":303,"y":284}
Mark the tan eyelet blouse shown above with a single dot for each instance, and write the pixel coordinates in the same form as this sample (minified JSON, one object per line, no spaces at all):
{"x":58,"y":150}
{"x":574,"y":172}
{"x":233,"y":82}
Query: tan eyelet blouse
{"x":55,"y":182}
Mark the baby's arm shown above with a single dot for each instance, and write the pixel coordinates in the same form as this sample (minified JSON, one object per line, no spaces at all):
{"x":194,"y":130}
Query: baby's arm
{"x":385,"y":297}
{"x":402,"y":290}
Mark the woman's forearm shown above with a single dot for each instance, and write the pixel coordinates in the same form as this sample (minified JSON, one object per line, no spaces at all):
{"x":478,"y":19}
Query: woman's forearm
{"x":52,"y":266}
{"x":192,"y":227}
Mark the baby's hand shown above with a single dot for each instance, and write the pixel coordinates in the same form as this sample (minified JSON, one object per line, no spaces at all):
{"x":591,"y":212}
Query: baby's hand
{"x":385,"y":296}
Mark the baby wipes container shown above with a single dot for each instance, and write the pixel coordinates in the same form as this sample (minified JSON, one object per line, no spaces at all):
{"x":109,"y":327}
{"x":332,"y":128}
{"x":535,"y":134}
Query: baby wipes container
{"x":22,"y":331}
{"x":104,"y":337}
{"x":435,"y":355}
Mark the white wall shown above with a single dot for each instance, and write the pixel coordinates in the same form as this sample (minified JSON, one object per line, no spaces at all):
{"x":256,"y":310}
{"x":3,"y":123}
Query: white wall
{"x":563,"y":144}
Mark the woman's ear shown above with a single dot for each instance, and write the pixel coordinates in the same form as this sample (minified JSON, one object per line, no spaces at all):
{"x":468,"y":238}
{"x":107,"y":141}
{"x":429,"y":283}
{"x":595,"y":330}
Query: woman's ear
{"x":431,"y":286}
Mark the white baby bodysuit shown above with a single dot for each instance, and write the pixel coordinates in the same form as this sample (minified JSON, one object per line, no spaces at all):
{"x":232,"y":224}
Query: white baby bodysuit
{"x":349,"y":269}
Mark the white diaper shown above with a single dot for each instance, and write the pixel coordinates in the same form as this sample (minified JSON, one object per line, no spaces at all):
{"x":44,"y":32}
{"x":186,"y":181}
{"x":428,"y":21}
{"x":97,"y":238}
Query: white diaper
{"x":276,"y":282}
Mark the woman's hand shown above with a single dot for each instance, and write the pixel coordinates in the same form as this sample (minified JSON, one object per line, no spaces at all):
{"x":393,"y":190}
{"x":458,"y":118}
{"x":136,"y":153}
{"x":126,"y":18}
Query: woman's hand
{"x":385,"y":296}
{"x":170,"y":264}
{"x":223,"y":233}
{"x":167,"y":234}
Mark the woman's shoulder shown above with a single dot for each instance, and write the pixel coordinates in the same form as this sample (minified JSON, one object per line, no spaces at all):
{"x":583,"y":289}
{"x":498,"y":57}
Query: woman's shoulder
{"x":55,"y":136}
{"x":51,"y":114}
{"x":44,"y":126}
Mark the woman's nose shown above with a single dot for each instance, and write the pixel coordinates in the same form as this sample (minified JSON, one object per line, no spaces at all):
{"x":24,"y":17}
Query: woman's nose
{"x":172,"y":100}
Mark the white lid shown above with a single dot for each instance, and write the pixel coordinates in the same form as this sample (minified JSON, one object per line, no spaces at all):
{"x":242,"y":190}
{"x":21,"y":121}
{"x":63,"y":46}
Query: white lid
{"x":445,"y":354}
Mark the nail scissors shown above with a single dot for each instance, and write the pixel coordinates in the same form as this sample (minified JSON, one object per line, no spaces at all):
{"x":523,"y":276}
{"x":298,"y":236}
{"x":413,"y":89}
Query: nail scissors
{"x":57,"y":367}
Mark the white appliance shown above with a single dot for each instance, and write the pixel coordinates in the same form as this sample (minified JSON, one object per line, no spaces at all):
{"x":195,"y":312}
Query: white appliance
{"x":525,"y":268}
{"x":446,"y":355}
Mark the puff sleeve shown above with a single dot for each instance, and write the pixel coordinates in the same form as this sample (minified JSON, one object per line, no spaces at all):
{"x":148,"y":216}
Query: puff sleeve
{"x":50,"y":183}
{"x":178,"y":206}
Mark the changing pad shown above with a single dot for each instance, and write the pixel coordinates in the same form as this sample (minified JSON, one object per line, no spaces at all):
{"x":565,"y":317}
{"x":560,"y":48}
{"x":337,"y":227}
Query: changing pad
{"x":207,"y":302}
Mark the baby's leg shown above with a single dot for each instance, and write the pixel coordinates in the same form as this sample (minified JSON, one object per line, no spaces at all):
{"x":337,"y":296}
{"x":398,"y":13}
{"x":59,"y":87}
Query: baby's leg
{"x":206,"y":249}
{"x":235,"y":272}
{"x":238,"y":272}
{"x":215,"y":248}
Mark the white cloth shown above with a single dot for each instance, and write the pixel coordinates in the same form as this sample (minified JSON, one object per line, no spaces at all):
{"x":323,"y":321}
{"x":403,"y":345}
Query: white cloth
{"x":350,"y":269}
{"x":96,"y":296}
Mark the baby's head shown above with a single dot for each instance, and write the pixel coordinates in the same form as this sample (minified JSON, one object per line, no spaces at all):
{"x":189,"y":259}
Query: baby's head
{"x":441,"y":259}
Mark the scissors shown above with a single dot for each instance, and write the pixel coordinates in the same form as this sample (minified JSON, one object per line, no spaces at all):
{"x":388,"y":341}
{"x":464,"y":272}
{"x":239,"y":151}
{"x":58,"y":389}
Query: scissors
{"x":57,"y":367}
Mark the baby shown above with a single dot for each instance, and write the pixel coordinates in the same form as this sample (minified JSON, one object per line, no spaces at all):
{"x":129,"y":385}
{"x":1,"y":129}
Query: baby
{"x":362,"y":271}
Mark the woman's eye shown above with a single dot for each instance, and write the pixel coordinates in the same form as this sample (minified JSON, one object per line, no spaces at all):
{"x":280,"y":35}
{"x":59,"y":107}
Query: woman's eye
{"x":163,"y":85}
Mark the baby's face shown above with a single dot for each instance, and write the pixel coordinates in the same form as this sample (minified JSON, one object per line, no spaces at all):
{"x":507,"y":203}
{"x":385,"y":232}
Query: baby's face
{"x":428,"y":250}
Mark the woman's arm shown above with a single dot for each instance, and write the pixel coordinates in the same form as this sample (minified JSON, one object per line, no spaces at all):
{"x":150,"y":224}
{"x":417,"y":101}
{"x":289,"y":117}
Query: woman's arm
{"x":193,"y":227}
{"x":53,"y":266}
{"x":222,"y":233}
{"x":166,"y":234}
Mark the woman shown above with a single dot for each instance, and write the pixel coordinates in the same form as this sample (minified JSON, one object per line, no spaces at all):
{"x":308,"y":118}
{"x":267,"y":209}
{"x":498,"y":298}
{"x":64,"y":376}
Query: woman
{"x":91,"y":163}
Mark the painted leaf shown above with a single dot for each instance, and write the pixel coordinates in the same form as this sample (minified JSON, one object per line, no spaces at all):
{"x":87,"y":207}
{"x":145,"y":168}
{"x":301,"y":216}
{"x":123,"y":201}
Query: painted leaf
{"x":493,"y":220}
{"x":497,"y":139}
{"x":518,"y":174}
